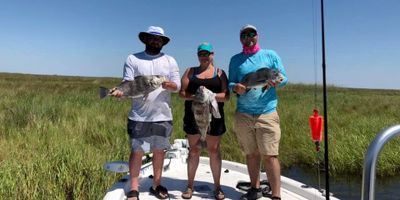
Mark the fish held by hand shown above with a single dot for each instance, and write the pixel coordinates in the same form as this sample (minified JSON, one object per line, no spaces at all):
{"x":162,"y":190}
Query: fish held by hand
{"x":140,"y":86}
{"x":263,"y":78}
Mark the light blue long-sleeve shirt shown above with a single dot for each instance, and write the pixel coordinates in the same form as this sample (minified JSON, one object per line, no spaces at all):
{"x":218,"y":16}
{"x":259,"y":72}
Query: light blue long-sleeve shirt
{"x":255,"y":101}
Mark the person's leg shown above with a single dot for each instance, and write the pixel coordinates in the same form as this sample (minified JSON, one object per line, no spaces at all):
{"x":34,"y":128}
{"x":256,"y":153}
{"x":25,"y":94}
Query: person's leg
{"x":213,"y":148}
{"x":273,"y":170}
{"x":135,"y":158}
{"x":193,"y":159}
{"x":253,"y":161}
{"x":135,"y":163}
{"x":245,"y":132}
{"x":192,"y":164}
{"x":160,"y":133}
{"x":268,"y":138}
{"x":213,"y":144}
{"x":158,"y":164}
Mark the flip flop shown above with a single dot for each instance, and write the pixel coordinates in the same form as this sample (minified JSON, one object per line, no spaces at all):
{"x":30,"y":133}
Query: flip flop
{"x":133,"y":193}
{"x":219,"y":194}
{"x":188,"y":193}
{"x":160,"y":192}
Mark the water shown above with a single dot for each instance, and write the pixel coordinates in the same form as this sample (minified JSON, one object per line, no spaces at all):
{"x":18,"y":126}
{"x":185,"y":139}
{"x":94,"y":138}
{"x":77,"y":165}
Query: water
{"x":345,"y":186}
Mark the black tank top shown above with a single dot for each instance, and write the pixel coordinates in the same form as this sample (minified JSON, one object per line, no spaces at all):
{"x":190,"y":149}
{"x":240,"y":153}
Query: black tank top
{"x":214,"y":84}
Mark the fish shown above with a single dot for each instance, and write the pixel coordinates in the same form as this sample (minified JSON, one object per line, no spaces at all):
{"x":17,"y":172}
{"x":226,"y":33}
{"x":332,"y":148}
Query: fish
{"x":260,"y":78}
{"x":204,"y":106}
{"x":140,"y":86}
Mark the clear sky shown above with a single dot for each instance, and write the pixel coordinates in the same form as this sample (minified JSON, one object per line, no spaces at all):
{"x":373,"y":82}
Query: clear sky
{"x":94,"y":37}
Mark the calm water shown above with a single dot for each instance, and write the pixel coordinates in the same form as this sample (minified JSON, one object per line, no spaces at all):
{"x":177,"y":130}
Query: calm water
{"x":347,"y":187}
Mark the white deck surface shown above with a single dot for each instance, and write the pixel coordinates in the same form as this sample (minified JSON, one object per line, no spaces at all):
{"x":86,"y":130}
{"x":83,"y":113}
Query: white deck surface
{"x":174,"y":178}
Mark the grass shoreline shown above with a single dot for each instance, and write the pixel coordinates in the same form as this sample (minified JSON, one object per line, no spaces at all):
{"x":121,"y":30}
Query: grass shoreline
{"x":55,"y":133}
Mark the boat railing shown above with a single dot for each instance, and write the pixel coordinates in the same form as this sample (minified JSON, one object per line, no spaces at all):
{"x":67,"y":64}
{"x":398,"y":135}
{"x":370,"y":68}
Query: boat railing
{"x":369,"y":173}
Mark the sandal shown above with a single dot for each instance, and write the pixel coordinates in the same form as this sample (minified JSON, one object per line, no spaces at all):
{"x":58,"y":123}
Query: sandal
{"x":275,"y":198}
{"x":133,"y":193}
{"x":160,"y":192}
{"x":188,"y":193}
{"x":219,"y":194}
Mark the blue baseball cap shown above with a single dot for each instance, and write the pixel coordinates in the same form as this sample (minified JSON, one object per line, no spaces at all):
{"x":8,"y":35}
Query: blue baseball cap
{"x":205,"y":46}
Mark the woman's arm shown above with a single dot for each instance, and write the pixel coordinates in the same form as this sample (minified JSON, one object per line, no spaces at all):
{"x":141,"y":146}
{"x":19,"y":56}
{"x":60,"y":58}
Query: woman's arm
{"x":224,"y":94}
{"x":184,"y":84}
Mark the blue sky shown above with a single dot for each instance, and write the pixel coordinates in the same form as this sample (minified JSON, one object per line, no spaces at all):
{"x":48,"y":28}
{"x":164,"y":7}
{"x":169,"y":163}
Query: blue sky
{"x":94,"y":37}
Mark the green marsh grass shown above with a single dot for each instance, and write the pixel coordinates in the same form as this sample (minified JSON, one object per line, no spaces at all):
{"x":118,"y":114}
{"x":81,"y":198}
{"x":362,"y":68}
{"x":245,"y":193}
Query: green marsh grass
{"x":56,"y":134}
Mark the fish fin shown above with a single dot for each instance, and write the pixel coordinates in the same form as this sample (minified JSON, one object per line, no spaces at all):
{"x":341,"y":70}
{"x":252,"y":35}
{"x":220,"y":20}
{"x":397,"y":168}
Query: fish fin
{"x":214,"y":107}
{"x":144,"y":98}
{"x":104,"y":92}
{"x":266,"y":87}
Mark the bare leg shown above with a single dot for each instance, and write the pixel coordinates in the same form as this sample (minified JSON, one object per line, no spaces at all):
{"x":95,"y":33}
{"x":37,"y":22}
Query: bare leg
{"x":273,"y":169}
{"x":253,"y":168}
{"x":193,"y":159}
{"x":135,"y":163}
{"x":214,"y":153}
{"x":158,"y":163}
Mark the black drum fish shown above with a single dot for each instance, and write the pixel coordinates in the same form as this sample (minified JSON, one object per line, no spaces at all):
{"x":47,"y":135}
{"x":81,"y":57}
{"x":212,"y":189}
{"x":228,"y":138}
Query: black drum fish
{"x":141,"y":86}
{"x":260,"y":78}
{"x":204,"y":106}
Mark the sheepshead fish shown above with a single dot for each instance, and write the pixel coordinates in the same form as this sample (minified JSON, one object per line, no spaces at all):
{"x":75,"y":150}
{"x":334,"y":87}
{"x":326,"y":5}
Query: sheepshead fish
{"x":260,"y":78}
{"x":203,"y":106}
{"x":141,"y":86}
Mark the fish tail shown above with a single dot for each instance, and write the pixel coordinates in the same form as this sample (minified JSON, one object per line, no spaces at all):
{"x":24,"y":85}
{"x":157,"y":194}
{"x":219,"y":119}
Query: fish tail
{"x":104,"y":92}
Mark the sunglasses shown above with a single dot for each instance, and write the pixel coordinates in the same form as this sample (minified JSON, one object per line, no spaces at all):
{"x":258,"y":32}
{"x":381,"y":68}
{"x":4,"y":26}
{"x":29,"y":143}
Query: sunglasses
{"x":203,"y":54}
{"x":154,"y":38}
{"x":248,"y":35}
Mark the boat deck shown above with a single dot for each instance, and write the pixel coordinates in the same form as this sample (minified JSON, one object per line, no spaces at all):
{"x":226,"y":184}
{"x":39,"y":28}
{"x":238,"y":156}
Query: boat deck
{"x":175,"y":179}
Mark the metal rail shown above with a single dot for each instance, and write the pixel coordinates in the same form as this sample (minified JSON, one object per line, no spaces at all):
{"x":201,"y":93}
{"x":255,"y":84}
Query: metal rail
{"x":368,"y":180}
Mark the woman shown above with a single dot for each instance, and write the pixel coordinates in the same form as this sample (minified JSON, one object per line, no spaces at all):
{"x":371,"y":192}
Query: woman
{"x":214,"y":79}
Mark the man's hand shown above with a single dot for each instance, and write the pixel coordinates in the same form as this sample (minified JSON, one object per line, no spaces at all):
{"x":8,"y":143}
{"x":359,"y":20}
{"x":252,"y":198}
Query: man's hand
{"x":169,"y":85}
{"x":116,"y":93}
{"x":239,"y":88}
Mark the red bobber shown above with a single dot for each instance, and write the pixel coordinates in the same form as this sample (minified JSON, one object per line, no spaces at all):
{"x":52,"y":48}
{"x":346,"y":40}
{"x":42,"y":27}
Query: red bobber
{"x":316,"y":125}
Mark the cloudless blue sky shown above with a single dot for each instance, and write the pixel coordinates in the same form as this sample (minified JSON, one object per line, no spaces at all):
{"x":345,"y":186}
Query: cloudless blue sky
{"x":94,"y":37}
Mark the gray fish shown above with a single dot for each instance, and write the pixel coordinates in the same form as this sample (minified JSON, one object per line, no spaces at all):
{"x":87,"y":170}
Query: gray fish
{"x":203,"y":106}
{"x":141,"y":86}
{"x":260,"y":78}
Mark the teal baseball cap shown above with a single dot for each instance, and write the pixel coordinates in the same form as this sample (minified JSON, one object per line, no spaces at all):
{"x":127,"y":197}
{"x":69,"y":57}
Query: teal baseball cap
{"x":205,"y":46}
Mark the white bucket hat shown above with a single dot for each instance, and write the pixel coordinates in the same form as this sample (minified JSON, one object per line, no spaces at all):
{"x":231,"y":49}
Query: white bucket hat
{"x":154,"y":30}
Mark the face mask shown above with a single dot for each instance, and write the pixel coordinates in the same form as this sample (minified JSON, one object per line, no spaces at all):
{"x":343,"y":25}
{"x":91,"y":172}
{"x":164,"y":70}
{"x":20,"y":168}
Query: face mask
{"x":251,"y":50}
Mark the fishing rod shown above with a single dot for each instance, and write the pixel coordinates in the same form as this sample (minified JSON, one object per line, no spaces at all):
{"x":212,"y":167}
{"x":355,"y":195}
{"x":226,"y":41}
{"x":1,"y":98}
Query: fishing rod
{"x":317,"y":122}
{"x":326,"y":153}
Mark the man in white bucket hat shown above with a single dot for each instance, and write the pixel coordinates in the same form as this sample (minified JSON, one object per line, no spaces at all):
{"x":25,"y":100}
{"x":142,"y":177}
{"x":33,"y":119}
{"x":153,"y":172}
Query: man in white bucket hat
{"x":150,"y":119}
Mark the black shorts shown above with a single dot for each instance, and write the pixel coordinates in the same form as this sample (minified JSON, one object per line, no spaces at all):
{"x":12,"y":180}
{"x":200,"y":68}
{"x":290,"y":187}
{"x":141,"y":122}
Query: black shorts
{"x":217,"y":125}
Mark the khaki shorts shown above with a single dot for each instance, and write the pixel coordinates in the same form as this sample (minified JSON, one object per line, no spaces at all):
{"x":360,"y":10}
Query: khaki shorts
{"x":258,"y":133}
